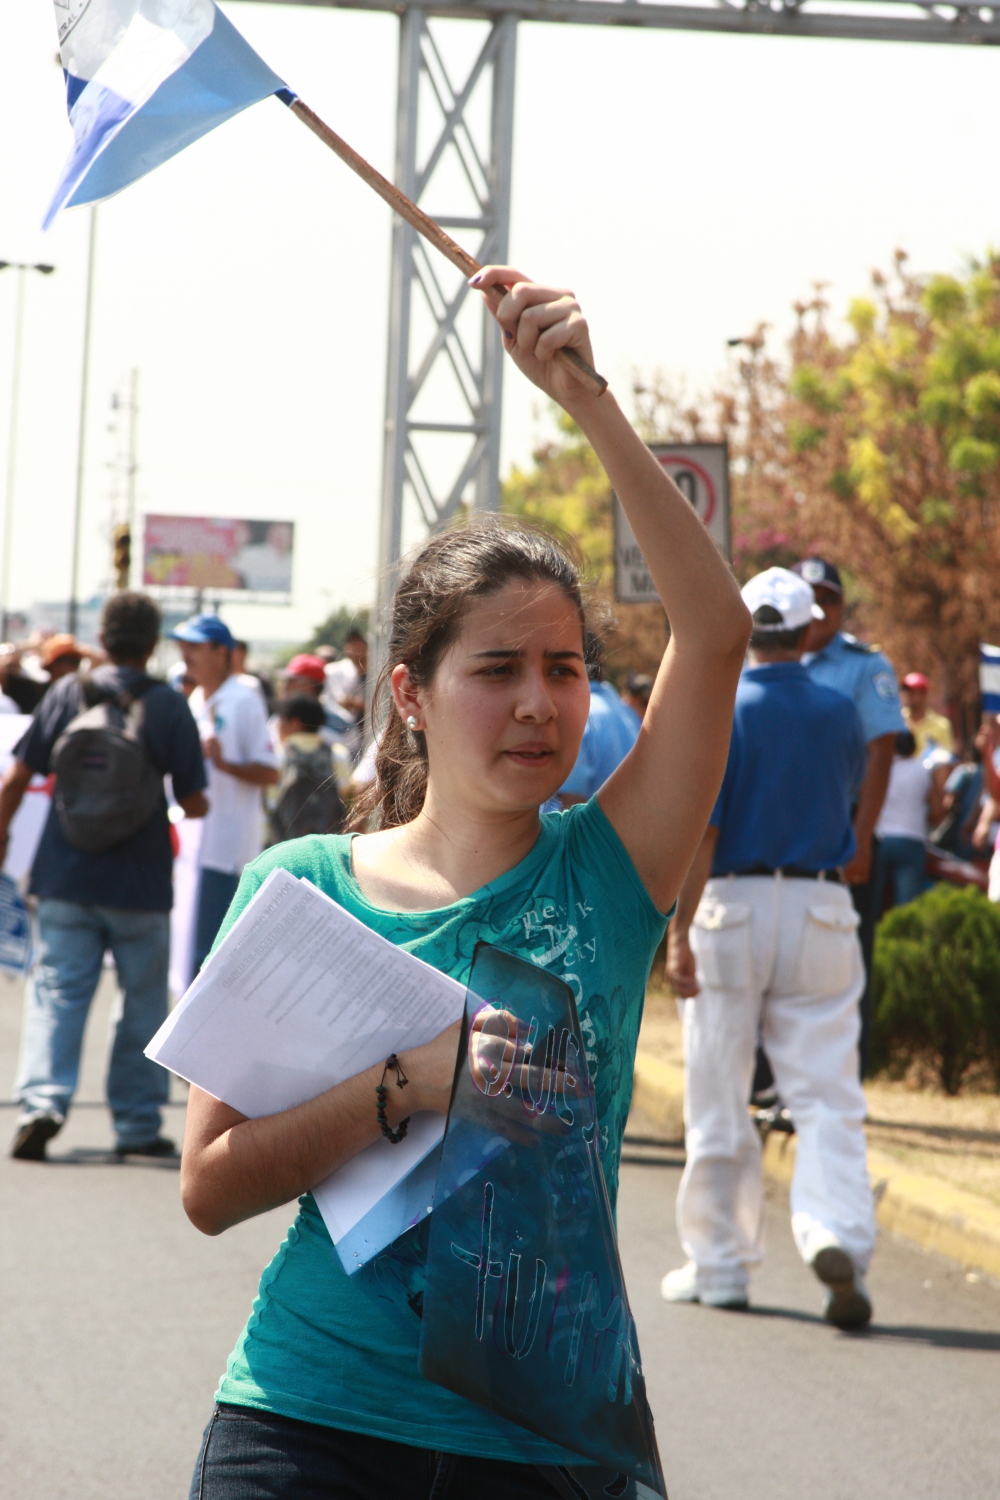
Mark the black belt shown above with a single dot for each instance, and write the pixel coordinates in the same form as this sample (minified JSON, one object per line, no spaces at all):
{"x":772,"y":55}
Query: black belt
{"x":789,"y":872}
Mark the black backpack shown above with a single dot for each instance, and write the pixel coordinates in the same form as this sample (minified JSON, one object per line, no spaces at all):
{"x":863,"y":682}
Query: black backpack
{"x":107,"y":788}
{"x":306,"y":799}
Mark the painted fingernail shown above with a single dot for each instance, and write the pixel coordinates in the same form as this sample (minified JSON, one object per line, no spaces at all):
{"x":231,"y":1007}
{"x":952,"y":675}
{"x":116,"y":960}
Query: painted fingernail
{"x":508,"y":335}
{"x":475,"y":280}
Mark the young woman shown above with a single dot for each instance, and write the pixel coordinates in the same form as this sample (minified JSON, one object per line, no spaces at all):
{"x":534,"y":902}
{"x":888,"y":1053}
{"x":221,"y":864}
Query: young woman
{"x":322,"y":1398}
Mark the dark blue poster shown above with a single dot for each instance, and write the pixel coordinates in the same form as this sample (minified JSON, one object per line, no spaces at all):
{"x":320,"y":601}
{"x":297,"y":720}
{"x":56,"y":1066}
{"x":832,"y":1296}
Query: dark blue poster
{"x":525,"y":1309}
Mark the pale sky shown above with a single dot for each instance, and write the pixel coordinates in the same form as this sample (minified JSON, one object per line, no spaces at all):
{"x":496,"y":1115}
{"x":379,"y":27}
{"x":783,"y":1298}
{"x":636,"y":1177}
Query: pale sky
{"x":686,"y":186}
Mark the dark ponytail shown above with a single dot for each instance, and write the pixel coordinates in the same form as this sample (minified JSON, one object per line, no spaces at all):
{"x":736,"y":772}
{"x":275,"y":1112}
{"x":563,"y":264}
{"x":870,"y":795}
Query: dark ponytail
{"x":457,"y":565}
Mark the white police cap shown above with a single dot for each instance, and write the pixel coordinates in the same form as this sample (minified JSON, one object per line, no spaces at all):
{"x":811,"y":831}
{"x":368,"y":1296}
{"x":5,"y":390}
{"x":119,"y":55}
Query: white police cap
{"x":784,"y":591}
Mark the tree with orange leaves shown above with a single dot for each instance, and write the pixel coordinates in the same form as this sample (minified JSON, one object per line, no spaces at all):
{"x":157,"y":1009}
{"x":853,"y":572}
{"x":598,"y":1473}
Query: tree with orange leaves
{"x":878,"y":448}
{"x":887,"y":443}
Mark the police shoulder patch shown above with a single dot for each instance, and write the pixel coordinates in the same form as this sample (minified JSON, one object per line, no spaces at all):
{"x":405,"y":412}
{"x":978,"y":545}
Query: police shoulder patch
{"x":885,"y":685}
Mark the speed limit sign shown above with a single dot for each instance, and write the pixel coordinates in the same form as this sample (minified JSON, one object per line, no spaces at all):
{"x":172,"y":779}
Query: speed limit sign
{"x":701,"y":473}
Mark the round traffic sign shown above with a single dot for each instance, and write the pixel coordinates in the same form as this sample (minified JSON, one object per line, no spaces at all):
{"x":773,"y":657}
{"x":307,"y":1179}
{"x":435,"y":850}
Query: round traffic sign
{"x":694,"y":482}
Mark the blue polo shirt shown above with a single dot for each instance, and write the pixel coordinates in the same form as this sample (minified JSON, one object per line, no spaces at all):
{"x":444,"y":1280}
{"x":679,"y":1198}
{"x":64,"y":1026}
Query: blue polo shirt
{"x":612,"y":729}
{"x":796,"y":759}
{"x":867,"y":678}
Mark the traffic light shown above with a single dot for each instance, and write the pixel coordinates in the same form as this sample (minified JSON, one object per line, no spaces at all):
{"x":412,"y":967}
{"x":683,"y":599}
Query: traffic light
{"x":122,"y":555}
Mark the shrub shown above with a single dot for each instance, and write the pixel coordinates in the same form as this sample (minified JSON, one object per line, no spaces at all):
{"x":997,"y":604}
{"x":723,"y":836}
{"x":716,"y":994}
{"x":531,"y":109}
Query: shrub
{"x":936,"y":985}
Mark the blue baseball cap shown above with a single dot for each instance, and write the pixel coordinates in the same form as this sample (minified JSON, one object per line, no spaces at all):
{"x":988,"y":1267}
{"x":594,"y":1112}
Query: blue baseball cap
{"x":203,"y":630}
{"x":819,"y":573}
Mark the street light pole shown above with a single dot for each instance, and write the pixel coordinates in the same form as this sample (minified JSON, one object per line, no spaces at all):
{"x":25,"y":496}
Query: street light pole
{"x":15,"y":394}
{"x":8,"y":503}
{"x":82,"y":435}
{"x":133,"y":418}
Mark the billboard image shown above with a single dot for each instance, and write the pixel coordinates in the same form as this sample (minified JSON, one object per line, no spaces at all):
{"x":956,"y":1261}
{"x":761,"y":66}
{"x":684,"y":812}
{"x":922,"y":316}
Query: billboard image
{"x":204,"y":552}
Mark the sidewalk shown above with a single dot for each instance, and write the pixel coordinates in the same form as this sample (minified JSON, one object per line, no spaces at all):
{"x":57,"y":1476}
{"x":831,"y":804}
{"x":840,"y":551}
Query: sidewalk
{"x":934,"y":1162}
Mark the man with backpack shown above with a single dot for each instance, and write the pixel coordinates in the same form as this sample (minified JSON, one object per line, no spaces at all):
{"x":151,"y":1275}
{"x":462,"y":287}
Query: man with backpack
{"x":307,"y":797}
{"x":103,"y":876}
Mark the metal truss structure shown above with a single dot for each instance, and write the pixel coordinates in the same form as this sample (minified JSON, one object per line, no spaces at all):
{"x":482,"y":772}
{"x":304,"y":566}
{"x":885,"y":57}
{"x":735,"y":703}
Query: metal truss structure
{"x":445,"y":373}
{"x":454,"y":137}
{"x":859,"y":20}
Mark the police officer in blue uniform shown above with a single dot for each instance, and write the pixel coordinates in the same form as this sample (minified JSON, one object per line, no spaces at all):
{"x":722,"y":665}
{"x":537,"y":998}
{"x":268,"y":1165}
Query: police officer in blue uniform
{"x":864,"y":675}
{"x":764,"y":942}
{"x":612,"y":729}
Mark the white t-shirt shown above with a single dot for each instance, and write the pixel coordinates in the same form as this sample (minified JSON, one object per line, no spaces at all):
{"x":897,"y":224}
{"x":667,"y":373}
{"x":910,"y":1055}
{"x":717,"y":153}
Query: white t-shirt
{"x":342,"y":681}
{"x":253,"y":683}
{"x":233,"y":831}
{"x":904,"y":811}
{"x":364,"y":771}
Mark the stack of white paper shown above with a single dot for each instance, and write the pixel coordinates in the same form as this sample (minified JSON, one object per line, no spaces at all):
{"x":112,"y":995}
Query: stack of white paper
{"x":299,"y":996}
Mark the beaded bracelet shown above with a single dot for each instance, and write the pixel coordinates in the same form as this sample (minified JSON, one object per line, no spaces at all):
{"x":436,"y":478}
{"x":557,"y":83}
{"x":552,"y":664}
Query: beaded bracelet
{"x":395,"y":1136}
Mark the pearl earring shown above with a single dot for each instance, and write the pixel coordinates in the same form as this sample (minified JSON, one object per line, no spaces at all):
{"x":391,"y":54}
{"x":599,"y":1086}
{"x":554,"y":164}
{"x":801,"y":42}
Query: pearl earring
{"x":411,"y":722}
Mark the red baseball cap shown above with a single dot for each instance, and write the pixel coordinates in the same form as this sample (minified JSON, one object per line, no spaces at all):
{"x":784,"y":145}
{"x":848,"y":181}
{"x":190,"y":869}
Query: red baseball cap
{"x":305,"y":665}
{"x":917,"y":681}
{"x":57,"y":646}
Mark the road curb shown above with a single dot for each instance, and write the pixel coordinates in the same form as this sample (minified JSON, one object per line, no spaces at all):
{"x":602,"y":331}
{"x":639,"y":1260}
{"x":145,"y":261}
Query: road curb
{"x":658,"y":1091}
{"x":926,"y":1210}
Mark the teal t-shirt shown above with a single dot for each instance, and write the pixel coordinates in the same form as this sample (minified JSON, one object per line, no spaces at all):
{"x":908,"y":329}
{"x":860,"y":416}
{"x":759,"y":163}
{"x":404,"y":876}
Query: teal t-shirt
{"x":324,"y":1347}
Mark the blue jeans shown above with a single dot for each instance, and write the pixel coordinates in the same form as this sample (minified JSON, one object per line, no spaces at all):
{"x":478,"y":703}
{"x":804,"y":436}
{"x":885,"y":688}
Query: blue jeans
{"x":256,"y":1455}
{"x":73,"y":941}
{"x":216,"y":890}
{"x":903,"y":860}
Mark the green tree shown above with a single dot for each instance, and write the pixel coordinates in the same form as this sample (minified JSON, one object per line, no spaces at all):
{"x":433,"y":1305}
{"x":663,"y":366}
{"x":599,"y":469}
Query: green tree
{"x":888,"y":440}
{"x":767,"y":526}
{"x":567,"y":492}
{"x":878,"y":446}
{"x":936,"y":985}
{"x":334,"y":630}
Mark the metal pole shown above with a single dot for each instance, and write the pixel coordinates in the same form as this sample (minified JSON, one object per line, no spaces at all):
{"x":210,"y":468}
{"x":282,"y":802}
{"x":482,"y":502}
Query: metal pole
{"x":449,"y":103}
{"x":133,"y":465}
{"x":8,"y":508}
{"x":494,"y":251}
{"x":411,"y":25}
{"x":81,"y":445}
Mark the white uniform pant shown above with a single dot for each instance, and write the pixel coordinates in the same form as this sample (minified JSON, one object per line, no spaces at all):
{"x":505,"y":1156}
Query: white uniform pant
{"x":779,"y":957}
{"x":994,"y":889}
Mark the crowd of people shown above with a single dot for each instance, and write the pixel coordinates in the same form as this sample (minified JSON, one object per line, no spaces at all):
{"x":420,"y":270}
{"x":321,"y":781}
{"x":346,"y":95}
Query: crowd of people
{"x":274,"y":759}
{"x":243,"y":762}
{"x":254,"y":760}
{"x":838,"y":789}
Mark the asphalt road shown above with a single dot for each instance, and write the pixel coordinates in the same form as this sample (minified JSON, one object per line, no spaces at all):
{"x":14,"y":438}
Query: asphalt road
{"x":774,"y":1404}
{"x":116,"y":1318}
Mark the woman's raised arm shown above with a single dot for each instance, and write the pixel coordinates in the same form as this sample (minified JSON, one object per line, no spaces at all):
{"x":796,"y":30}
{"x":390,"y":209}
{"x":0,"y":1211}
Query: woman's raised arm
{"x":660,"y":798}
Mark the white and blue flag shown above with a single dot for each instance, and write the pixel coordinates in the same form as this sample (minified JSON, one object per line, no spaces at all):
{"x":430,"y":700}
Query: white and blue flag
{"x":989,"y":678}
{"x":145,"y":78}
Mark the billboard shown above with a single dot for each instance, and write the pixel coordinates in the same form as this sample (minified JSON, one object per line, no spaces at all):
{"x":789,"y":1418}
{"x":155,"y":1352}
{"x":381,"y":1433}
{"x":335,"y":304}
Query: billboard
{"x":701,"y":472}
{"x":217,"y":555}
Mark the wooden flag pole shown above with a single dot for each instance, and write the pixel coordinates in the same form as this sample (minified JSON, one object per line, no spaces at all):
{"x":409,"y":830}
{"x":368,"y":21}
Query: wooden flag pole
{"x":426,"y":226}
